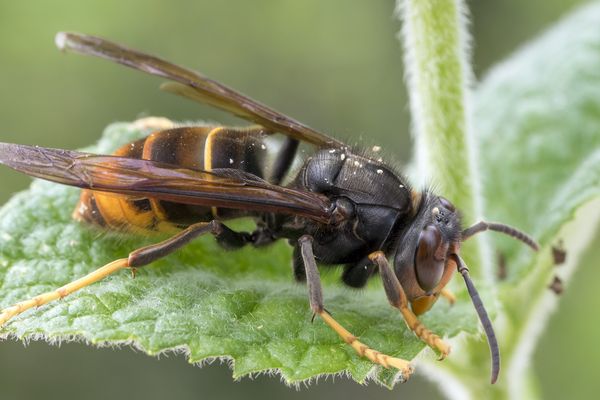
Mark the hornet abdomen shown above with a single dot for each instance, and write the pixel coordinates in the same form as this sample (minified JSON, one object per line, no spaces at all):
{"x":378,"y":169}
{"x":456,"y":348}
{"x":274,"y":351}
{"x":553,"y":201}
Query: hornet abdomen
{"x":204,"y":148}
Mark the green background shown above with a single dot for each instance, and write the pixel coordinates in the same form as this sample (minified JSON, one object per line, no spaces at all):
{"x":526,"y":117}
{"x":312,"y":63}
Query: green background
{"x":335,"y":65}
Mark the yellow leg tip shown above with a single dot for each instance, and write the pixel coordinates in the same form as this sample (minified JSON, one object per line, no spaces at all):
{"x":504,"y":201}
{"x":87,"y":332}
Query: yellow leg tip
{"x":449,"y":296}
{"x":8,"y":313}
{"x":365,"y":351}
{"x":407,"y":373}
{"x":444,"y":349}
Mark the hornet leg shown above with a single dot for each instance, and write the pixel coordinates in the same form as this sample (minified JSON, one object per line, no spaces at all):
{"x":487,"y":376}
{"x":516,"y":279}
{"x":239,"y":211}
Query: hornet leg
{"x":316,"y":304}
{"x":137,"y":258}
{"x":397,"y":298}
{"x":448,"y":295}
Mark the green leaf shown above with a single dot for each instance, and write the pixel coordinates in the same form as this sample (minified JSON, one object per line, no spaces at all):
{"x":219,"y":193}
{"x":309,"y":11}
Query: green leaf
{"x":241,"y":305}
{"x":538,"y":117}
{"x":540,"y":112}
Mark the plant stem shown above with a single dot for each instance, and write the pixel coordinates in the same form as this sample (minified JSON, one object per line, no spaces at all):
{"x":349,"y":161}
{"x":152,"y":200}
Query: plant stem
{"x":437,"y":75}
{"x":436,"y":45}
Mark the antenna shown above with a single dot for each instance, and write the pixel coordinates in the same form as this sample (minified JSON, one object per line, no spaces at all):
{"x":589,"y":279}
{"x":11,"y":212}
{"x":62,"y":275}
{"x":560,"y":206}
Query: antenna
{"x":502,"y":228}
{"x":483,"y":316}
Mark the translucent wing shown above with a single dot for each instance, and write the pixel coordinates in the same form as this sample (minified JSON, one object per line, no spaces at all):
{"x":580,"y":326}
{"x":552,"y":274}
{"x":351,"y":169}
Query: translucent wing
{"x":195,"y":86}
{"x":227,"y":188}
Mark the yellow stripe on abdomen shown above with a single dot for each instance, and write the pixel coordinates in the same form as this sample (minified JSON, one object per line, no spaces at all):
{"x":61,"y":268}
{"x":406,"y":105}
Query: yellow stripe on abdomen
{"x":208,"y":153}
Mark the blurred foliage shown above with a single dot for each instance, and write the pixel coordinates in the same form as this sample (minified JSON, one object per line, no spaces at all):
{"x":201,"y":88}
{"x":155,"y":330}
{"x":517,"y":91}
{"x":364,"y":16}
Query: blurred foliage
{"x":336,"y":67}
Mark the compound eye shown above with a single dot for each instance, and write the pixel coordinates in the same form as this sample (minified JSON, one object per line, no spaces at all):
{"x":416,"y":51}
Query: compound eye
{"x":428,"y":267}
{"x":447,"y":205}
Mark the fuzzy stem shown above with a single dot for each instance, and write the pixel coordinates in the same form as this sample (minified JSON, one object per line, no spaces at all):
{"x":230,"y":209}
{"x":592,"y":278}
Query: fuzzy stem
{"x":436,"y":47}
{"x":438,"y":74}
